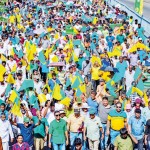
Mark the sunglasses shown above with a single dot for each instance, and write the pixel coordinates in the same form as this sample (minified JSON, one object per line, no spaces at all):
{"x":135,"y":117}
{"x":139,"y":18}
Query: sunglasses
{"x":118,"y":107}
{"x":57,"y":115}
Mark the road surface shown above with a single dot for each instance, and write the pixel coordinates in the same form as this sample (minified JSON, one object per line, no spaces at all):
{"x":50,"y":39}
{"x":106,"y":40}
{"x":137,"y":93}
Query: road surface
{"x":146,"y":9}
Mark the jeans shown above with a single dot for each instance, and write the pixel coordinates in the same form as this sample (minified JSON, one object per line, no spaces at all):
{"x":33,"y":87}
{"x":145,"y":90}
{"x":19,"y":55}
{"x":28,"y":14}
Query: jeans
{"x":139,"y":145}
{"x":59,"y":146}
{"x":105,"y":140}
{"x":73,"y":136}
{"x":113,"y":135}
{"x":95,"y":83}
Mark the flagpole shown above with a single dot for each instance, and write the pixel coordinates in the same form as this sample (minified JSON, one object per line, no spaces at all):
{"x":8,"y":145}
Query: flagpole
{"x":141,"y":19}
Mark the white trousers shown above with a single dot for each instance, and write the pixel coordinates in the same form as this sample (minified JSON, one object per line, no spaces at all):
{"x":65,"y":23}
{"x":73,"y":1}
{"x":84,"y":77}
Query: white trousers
{"x":5,"y":145}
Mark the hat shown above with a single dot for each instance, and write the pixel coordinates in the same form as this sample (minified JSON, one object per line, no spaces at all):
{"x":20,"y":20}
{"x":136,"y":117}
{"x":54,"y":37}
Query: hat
{"x":140,"y":39}
{"x":76,"y":110}
{"x":138,"y":101}
{"x":101,"y":80}
{"x":138,"y":111}
{"x":85,"y":105}
{"x":62,"y":112}
{"x":128,"y":106}
{"x":26,"y":119}
{"x":92,"y":111}
{"x":79,"y":100}
{"x":62,"y":56}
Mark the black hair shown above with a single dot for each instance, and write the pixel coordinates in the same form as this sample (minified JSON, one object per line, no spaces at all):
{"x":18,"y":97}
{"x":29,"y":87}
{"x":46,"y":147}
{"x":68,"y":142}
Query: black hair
{"x":19,"y":135}
{"x":3,"y":104}
{"x":46,"y":102}
{"x":123,"y":131}
{"x":77,"y":141}
{"x":57,"y":111}
{"x":105,"y":98}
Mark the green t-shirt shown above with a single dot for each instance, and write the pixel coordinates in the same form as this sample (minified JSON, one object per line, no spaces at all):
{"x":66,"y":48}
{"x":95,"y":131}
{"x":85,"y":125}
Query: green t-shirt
{"x":123,"y":144}
{"x":57,"y":130}
{"x":39,"y":131}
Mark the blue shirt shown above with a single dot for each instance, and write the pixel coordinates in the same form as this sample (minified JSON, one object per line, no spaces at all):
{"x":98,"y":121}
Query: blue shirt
{"x":110,"y":40}
{"x":6,"y":113}
{"x":51,"y":83}
{"x":93,"y":104}
{"x":27,"y":133}
{"x":137,"y":126}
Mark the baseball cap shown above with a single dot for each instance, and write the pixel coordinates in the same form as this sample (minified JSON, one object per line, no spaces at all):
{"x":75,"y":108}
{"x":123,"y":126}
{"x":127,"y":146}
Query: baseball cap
{"x":92,"y":111}
{"x":76,"y":110}
{"x":62,"y":112}
{"x":26,"y":120}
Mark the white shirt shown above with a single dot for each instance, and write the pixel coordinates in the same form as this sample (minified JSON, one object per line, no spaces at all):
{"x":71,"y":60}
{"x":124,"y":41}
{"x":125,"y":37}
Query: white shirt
{"x":2,"y":90}
{"x":11,"y":63}
{"x":129,"y":78}
{"x":5,"y":130}
{"x":38,"y":87}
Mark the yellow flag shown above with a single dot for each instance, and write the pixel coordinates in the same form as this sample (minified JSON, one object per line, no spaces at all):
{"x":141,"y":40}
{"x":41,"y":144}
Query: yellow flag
{"x":55,"y":59}
{"x":10,"y":79}
{"x":42,"y":98}
{"x":75,"y":30}
{"x":2,"y":71}
{"x":82,"y":88}
{"x":138,"y":91}
{"x":75,"y":58}
{"x":13,"y":96}
{"x":65,"y":101}
{"x":3,"y":58}
{"x":56,"y":36}
{"x":56,"y":92}
{"x":146,"y":99}
{"x":16,"y":110}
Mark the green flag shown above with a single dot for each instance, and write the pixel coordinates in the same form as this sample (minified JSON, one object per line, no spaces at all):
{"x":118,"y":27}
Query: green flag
{"x":138,"y":6}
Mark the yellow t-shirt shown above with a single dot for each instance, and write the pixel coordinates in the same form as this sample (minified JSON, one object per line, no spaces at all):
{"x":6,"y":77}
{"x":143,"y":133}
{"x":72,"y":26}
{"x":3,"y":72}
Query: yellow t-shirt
{"x":95,"y":73}
{"x":12,"y":19}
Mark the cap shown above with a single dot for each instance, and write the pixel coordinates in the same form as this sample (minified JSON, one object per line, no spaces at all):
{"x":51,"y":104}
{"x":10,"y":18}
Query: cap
{"x":128,"y":106}
{"x":76,"y":110}
{"x":62,"y":112}
{"x":138,"y":111}
{"x":92,"y":111}
{"x":79,"y":100}
{"x":26,"y":119}
{"x":62,"y":56}
{"x":140,"y":39}
{"x":101,"y":80}
{"x":85,"y":105}
{"x":138,"y":101}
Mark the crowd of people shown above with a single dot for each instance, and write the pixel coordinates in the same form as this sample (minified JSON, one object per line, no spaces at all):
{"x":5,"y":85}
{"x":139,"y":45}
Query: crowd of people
{"x":73,"y":75}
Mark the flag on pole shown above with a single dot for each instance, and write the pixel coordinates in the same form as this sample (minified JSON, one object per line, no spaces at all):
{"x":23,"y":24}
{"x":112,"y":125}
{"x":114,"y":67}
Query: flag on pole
{"x":139,"y":6}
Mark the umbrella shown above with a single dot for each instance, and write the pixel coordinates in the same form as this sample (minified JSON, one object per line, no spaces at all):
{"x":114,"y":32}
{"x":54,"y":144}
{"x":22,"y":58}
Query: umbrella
{"x":56,"y":64}
{"x":110,"y":69}
{"x":121,"y":16}
{"x":39,"y":31}
{"x":30,"y":33}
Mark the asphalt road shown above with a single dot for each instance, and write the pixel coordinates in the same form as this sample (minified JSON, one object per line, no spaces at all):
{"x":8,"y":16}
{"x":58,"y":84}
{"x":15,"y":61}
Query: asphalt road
{"x":146,"y":9}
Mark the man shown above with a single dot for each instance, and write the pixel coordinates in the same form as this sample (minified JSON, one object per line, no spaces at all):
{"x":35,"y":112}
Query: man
{"x":136,"y":127}
{"x":40,"y":131}
{"x":146,"y":111}
{"x":78,"y":144}
{"x":92,"y":130}
{"x":26,"y":130}
{"x":52,"y":81}
{"x":103,"y":111}
{"x":3,"y":110}
{"x":120,"y":38}
{"x":117,"y":119}
{"x":110,"y":39}
{"x":75,"y":126}
{"x":5,"y":131}
{"x":92,"y":102}
{"x":129,"y":77}
{"x":58,"y":133}
{"x":20,"y":145}
{"x":124,"y":140}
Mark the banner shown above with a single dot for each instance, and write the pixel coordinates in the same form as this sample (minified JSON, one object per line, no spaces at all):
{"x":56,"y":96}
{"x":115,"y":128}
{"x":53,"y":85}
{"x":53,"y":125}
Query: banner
{"x":139,"y":6}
